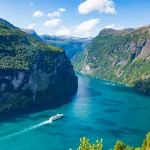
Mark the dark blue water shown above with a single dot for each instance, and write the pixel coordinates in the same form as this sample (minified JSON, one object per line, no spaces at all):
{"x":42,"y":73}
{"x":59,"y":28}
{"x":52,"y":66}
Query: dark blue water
{"x":99,"y":110}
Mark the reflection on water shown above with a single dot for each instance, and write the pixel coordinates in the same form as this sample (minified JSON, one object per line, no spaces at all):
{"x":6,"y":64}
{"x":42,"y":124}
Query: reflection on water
{"x":98,"y":110}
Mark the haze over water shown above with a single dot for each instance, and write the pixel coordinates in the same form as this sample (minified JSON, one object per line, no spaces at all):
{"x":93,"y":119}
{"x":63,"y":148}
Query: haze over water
{"x":99,"y":110}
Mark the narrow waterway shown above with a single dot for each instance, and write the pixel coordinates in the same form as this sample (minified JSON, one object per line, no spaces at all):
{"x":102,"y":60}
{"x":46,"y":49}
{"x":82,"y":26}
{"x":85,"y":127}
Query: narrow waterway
{"x":99,"y":110}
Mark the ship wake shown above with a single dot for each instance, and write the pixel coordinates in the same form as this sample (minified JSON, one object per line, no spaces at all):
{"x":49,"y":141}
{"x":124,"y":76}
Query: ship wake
{"x":24,"y":130}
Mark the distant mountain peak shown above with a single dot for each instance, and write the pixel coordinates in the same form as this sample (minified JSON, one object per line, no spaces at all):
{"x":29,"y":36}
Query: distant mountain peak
{"x":31,"y":32}
{"x":63,"y":37}
{"x":72,"y":45}
{"x":128,"y":29}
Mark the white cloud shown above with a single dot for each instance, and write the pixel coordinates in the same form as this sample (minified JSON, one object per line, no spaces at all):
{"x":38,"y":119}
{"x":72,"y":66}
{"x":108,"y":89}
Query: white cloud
{"x":61,"y":10}
{"x":52,"y":23}
{"x":110,"y":26}
{"x":54,"y":14}
{"x":87,"y":34}
{"x":31,"y":26}
{"x":113,"y":26}
{"x":38,"y":14}
{"x":57,"y":13}
{"x":102,"y":6}
{"x":64,"y":31}
{"x":87,"y":25}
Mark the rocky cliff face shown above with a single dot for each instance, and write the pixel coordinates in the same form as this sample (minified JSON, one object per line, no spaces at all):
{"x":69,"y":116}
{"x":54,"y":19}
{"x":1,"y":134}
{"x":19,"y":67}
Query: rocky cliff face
{"x":31,"y":71}
{"x":121,"y":56}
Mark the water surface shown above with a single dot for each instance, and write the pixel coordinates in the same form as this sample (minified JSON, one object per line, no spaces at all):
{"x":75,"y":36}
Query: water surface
{"x":99,"y":110}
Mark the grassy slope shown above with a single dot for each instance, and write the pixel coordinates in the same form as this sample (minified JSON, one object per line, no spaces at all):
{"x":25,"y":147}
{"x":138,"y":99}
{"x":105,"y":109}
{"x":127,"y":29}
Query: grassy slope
{"x":17,"y":49}
{"x":112,"y":46}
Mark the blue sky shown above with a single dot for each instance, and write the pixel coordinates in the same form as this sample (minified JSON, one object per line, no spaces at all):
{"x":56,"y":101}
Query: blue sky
{"x":82,"y":18}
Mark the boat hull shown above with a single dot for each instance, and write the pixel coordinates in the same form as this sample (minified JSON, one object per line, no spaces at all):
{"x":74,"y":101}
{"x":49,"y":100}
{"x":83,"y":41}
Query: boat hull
{"x":56,"y":117}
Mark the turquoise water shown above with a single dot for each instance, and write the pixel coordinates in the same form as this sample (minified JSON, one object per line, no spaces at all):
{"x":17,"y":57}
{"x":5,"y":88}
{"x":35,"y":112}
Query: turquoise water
{"x":99,"y":110}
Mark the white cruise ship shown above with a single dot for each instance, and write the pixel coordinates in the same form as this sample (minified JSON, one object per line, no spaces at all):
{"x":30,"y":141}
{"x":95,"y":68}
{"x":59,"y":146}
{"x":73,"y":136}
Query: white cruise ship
{"x":58,"y":116}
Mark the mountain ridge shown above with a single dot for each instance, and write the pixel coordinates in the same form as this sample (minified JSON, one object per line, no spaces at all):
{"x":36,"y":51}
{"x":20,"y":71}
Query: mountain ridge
{"x":121,"y":56}
{"x":7,"y":23}
{"x":72,"y":45}
{"x":31,"y":32}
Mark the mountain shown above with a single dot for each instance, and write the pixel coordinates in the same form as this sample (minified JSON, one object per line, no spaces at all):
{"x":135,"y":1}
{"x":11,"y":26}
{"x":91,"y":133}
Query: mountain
{"x":28,"y":31}
{"x":31,"y":32}
{"x":71,"y":45}
{"x":31,"y":71}
{"x":121,"y":56}
{"x":7,"y":23}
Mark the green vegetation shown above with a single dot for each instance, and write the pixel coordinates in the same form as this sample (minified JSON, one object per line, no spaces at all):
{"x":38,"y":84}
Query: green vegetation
{"x":119,"y":56}
{"x":31,"y":71}
{"x":86,"y":145}
{"x":19,"y":50}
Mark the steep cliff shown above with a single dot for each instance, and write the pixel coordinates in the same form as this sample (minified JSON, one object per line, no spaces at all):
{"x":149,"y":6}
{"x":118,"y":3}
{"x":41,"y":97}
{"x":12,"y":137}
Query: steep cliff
{"x":122,"y":56}
{"x":31,"y":71}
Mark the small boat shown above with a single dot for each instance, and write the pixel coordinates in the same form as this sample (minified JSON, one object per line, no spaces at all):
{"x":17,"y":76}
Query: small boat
{"x":113,"y":84}
{"x":58,"y":116}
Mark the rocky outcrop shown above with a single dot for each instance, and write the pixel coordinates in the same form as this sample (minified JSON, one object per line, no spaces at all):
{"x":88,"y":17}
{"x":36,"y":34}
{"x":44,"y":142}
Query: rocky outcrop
{"x":31,"y":71}
{"x":21,"y":88}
